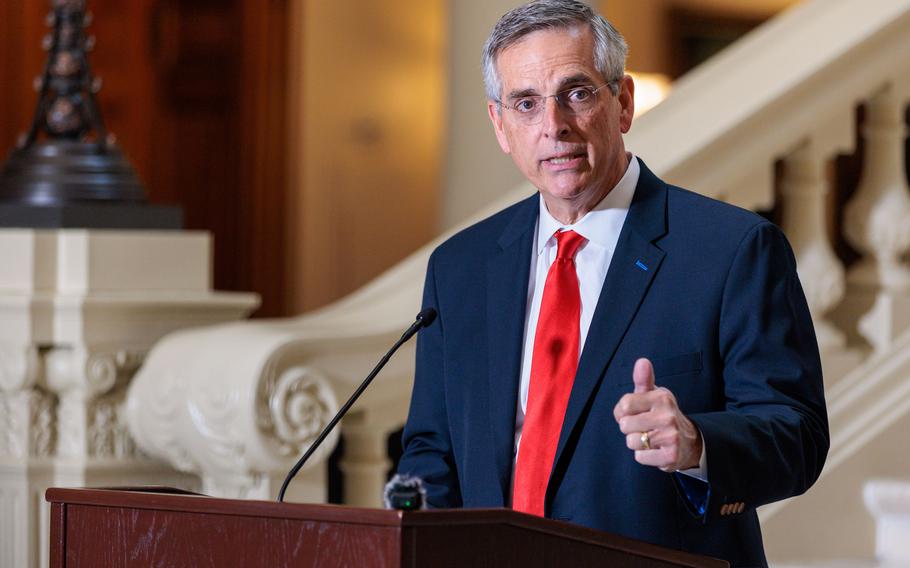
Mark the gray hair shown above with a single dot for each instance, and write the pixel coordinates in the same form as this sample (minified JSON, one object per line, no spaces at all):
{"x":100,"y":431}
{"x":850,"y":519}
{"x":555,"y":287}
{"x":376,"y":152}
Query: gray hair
{"x":610,"y":48}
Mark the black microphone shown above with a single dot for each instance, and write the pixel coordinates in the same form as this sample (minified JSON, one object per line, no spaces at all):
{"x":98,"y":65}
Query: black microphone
{"x":423,"y":319}
{"x":405,"y":492}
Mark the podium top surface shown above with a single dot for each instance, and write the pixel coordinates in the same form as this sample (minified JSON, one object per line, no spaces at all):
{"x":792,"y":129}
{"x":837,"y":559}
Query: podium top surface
{"x":167,"y":499}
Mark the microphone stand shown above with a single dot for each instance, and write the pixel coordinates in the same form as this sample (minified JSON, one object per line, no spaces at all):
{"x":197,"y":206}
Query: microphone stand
{"x":423,"y":319}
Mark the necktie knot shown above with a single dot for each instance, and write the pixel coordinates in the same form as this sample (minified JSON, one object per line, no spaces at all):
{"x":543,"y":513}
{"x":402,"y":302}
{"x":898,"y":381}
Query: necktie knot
{"x":567,"y":243}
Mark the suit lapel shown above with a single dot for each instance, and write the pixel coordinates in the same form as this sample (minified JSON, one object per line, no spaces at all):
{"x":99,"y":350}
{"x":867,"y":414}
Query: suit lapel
{"x":507,"y":298}
{"x":634,"y":265}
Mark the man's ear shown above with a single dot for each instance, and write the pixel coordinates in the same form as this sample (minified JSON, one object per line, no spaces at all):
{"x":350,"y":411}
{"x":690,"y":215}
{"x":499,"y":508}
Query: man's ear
{"x":495,"y":112}
{"x":626,"y":98}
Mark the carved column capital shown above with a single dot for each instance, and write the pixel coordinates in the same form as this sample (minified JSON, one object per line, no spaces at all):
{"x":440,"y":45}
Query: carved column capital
{"x":89,"y":385}
{"x":90,"y":372}
{"x":20,"y":367}
{"x":26,"y":409}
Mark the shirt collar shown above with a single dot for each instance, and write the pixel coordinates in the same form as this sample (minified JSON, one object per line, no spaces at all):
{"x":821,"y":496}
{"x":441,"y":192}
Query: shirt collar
{"x":599,"y":224}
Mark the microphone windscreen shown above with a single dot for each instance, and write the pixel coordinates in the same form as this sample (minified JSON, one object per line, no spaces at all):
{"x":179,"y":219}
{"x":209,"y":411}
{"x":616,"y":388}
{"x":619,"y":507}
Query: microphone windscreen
{"x":405,"y":493}
{"x":426,"y":316}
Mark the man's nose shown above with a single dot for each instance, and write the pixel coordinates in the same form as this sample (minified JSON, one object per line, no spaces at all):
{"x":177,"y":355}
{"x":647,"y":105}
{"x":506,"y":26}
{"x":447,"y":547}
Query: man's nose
{"x":555,"y":119}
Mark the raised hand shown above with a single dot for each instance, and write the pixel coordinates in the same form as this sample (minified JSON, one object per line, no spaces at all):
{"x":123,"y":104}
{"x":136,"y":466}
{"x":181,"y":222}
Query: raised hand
{"x":655,"y":428}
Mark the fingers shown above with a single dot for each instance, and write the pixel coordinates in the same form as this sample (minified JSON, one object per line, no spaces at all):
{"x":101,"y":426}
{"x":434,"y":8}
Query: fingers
{"x":643,"y":376}
{"x":663,"y":449}
{"x":673,"y":447}
{"x":673,"y":442}
{"x":630,"y":405}
{"x":664,"y":458}
{"x":640,"y":403}
{"x":636,"y":441}
{"x":645,"y":422}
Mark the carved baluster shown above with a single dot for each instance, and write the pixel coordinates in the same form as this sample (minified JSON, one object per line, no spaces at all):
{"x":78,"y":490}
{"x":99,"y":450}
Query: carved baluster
{"x":365,"y":462}
{"x":820,"y":271}
{"x":878,"y":221}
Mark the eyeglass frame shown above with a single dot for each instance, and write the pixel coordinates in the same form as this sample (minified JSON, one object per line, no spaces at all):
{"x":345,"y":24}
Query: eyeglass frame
{"x":614,"y":90}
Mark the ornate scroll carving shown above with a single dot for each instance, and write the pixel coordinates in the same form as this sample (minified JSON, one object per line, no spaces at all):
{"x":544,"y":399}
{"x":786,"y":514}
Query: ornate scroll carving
{"x":236,"y":423}
{"x":19,"y":366}
{"x":294,"y":407}
{"x":161,"y":415}
{"x":91,"y":390}
{"x":218,"y":416}
{"x":108,"y":435}
{"x":27,"y":423}
{"x":42,"y":406}
{"x":11,"y":425}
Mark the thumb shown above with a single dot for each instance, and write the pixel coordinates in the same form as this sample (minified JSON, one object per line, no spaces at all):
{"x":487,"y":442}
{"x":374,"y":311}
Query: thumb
{"x":643,"y":376}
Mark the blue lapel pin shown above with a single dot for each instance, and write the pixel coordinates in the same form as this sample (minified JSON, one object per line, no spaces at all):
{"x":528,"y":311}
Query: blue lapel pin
{"x":641,"y":265}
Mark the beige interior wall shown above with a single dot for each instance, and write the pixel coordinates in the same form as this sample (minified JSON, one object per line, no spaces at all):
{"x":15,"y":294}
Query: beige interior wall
{"x":390,"y":140}
{"x":642,"y":23}
{"x":476,"y":170}
{"x":742,"y":7}
{"x":368,"y":94}
{"x":645,"y":23}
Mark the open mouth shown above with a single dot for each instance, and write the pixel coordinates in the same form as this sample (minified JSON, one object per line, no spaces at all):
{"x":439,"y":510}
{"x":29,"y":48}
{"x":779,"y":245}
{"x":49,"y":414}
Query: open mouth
{"x":564,"y":159}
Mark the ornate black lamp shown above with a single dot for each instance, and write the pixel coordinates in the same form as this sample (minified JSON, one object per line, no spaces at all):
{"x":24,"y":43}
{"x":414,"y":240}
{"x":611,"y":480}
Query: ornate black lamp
{"x":67,"y":171}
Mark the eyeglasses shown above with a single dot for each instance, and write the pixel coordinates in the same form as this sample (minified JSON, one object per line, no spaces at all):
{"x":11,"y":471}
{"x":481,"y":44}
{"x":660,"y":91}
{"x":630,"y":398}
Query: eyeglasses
{"x":573,"y":101}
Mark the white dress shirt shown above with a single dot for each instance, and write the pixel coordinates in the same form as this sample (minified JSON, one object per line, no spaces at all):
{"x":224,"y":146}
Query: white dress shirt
{"x":601,"y":227}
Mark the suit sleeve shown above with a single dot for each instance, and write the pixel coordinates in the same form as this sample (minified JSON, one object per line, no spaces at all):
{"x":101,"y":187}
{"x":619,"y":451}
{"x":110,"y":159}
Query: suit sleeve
{"x":426,"y":440}
{"x":771,"y":439}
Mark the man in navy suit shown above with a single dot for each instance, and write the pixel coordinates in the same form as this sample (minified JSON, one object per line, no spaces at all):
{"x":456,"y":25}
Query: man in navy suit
{"x":613,"y":351}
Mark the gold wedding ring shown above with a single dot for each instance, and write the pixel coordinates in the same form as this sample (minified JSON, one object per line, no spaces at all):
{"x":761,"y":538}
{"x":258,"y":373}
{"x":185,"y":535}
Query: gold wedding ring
{"x":646,"y":440}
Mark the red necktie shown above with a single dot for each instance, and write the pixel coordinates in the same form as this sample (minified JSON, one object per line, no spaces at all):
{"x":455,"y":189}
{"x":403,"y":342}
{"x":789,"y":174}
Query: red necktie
{"x":553,"y":367}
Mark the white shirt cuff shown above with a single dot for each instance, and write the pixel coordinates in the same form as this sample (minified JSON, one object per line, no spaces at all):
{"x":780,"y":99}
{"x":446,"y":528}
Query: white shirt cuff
{"x":700,"y":472}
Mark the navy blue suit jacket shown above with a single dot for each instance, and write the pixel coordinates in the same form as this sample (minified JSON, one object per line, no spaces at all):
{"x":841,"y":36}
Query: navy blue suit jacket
{"x":709,"y":293}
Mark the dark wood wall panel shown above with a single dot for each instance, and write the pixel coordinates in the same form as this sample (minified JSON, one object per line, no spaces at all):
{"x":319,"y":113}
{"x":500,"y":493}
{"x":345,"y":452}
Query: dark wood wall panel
{"x":263,"y":171}
{"x":194,"y":90}
{"x":21,"y":60}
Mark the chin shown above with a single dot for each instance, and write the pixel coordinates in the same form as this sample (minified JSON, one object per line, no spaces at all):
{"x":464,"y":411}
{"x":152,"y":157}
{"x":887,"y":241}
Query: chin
{"x":568,"y":193}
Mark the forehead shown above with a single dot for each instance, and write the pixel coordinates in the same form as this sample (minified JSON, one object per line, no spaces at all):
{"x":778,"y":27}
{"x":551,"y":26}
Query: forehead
{"x":544,"y":58}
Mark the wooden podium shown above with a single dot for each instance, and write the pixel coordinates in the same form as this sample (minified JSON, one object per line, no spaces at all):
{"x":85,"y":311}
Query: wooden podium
{"x":164,"y":527}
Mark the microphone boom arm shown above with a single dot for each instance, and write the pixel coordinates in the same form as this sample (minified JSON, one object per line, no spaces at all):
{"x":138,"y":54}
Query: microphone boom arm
{"x":423,"y":319}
